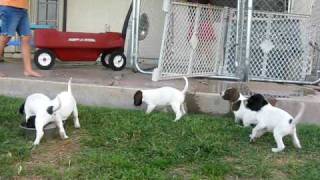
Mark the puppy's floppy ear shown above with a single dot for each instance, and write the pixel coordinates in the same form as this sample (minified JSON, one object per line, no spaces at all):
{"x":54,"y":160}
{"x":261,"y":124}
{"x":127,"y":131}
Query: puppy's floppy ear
{"x":256,"y":102}
{"x":50,"y":110}
{"x":235,"y":106}
{"x":137,"y":98}
{"x":21,"y":109}
{"x":31,"y":122}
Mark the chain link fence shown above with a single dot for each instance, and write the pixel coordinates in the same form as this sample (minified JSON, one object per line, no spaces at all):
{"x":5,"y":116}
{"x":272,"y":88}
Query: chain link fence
{"x":280,"y":45}
{"x":315,"y":37}
{"x":280,"y":49}
{"x":193,"y":44}
{"x":205,"y":44}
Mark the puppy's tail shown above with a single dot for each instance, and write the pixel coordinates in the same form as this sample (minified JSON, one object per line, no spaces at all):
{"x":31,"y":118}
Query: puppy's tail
{"x":21,"y":109}
{"x":53,"y":109}
{"x":69,"y":85}
{"x":300,"y":113}
{"x":185,"y":89}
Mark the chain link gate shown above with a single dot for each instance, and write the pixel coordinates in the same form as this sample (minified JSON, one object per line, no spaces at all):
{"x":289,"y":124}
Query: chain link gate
{"x":205,"y":44}
{"x":279,"y":49}
{"x":193,"y":41}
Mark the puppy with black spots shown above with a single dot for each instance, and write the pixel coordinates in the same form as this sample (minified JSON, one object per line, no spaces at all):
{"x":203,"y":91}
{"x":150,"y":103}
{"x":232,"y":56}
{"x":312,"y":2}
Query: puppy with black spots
{"x":164,"y":96}
{"x":35,"y":104}
{"x":238,"y":106}
{"x":273,"y":119}
{"x":40,"y":110}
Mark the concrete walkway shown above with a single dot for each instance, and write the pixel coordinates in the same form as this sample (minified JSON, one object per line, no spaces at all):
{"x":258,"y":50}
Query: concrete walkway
{"x":95,"y":85}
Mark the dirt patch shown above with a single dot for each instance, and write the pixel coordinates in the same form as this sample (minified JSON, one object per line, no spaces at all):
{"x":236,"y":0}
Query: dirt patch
{"x":281,"y":161}
{"x":28,"y":178}
{"x":230,"y":159}
{"x":55,"y":152}
{"x":277,"y":174}
{"x":285,"y":161}
{"x":181,"y":171}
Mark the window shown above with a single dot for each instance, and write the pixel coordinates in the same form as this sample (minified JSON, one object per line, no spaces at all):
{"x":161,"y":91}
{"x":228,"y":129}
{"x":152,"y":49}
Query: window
{"x":47,"y":12}
{"x":263,"y":5}
{"x":271,"y":5}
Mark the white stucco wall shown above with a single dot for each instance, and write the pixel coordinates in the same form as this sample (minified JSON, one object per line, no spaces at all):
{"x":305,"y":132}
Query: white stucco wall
{"x":150,"y":47}
{"x":92,"y":16}
{"x":301,"y":6}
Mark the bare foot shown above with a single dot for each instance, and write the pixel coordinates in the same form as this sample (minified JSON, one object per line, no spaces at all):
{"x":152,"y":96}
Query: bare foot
{"x":32,"y":73}
{"x":2,"y":75}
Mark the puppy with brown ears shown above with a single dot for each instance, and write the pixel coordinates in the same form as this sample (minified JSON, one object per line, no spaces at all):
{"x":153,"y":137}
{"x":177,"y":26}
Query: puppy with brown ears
{"x":242,"y":114}
{"x":164,"y":96}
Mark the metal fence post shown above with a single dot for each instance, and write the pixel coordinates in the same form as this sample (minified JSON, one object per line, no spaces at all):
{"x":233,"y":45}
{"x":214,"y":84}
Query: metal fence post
{"x":239,"y":59}
{"x":166,"y":9}
{"x":248,"y":38}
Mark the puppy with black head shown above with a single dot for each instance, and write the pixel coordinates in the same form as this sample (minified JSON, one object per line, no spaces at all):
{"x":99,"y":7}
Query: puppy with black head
{"x":238,"y":106}
{"x":40,"y":110}
{"x":164,"y":96}
{"x":273,"y":119}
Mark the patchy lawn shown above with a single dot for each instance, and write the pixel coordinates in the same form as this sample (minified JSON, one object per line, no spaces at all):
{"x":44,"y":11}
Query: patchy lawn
{"x":120,"y":144}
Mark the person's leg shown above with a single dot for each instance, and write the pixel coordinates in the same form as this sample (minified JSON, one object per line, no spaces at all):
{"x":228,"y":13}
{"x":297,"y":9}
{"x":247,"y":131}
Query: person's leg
{"x":8,"y":29}
{"x":3,"y":42}
{"x":26,"y":53}
{"x":24,"y":31}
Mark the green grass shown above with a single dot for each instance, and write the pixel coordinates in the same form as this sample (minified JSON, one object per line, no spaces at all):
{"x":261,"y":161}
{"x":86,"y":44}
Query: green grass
{"x":122,"y":144}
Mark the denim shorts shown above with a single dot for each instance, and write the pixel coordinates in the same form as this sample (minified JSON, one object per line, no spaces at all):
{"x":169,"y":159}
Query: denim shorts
{"x":14,"y":20}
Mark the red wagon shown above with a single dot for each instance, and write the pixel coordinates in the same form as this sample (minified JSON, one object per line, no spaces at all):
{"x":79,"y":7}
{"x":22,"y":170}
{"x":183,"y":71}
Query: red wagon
{"x":75,"y":46}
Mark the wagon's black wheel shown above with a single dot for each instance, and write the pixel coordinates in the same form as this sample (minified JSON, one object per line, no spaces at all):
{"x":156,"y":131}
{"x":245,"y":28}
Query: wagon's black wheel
{"x":44,"y":59}
{"x":117,"y":61}
{"x":105,"y":60}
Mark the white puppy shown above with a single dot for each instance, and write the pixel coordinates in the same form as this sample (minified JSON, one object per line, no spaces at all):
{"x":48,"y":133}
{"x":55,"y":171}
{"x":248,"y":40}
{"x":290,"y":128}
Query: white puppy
{"x":41,"y":110}
{"x":35,"y":105}
{"x":238,"y":106}
{"x":273,"y":119}
{"x":163,"y":96}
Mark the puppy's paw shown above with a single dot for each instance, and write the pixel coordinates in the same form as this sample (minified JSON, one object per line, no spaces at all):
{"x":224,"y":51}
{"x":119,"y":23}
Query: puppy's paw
{"x":77,"y":126}
{"x":252,"y":138}
{"x":276,"y":150}
{"x":65,"y":137}
{"x":298,"y":146}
